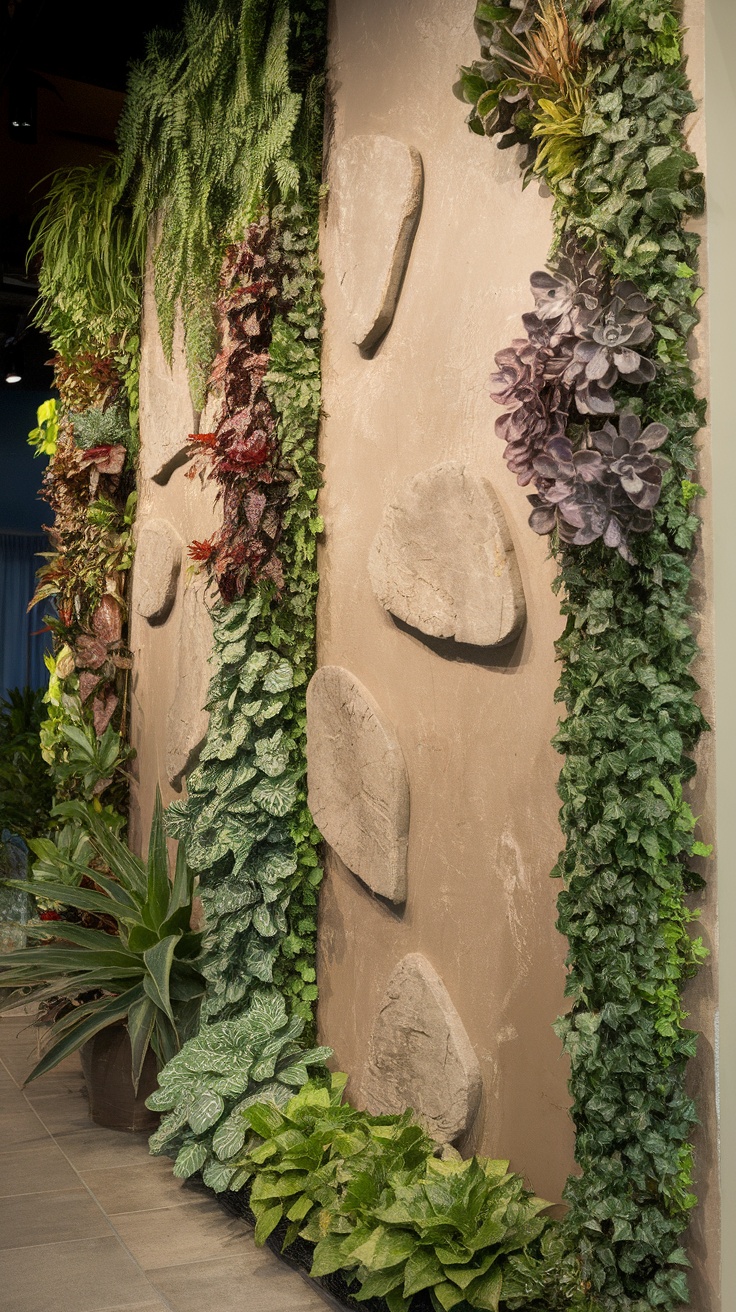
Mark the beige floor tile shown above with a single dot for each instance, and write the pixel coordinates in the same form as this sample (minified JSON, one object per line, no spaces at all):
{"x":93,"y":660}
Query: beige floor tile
{"x":62,"y":1112}
{"x":170,"y":1236}
{"x":255,"y":1281}
{"x":38,"y":1168}
{"x":50,"y":1218}
{"x":138,"y":1188}
{"x":94,"y":1149}
{"x":19,"y":1125}
{"x":88,"y":1275}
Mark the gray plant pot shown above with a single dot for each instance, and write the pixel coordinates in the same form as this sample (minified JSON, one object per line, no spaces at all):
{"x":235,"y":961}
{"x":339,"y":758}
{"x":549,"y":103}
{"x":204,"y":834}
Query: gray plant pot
{"x":106,"y":1065}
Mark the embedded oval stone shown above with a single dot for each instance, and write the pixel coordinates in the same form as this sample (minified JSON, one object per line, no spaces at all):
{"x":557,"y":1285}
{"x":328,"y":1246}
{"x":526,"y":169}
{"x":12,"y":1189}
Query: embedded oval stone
{"x":420,"y":1055}
{"x":375,"y":198}
{"x":443,"y":560}
{"x":358,"y":784}
{"x":156,"y":568}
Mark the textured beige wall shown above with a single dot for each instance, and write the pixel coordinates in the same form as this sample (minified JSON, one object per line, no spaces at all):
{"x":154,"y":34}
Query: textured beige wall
{"x":161,"y":652}
{"x":483,"y":834}
{"x":475,"y":735}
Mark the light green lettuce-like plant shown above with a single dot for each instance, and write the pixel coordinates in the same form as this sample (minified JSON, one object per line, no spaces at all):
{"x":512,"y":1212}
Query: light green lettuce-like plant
{"x":207,"y":1088}
{"x":379,"y":1204}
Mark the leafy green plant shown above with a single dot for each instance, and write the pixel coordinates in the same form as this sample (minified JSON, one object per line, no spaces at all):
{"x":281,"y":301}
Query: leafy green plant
{"x":26,"y":790}
{"x":207,"y":1088}
{"x":148,"y":975}
{"x":372,"y":1196}
{"x":91,"y":761}
{"x":91,"y":250}
{"x":46,"y":435}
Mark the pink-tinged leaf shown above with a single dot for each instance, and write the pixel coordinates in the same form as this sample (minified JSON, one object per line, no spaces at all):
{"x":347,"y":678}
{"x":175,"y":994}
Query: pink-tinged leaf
{"x":106,"y":459}
{"x":90,"y":652}
{"x":87,"y":683}
{"x":107,"y":620}
{"x":103,"y":709}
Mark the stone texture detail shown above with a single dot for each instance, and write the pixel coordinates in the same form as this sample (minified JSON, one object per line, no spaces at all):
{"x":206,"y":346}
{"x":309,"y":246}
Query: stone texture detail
{"x":358,"y":784}
{"x":420,"y":1055}
{"x":375,"y":199}
{"x":158,"y":557}
{"x":187,"y":719}
{"x":443,"y":560}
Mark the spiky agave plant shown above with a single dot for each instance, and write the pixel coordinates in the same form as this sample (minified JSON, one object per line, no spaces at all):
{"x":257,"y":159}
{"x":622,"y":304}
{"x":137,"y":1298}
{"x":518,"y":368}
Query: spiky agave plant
{"x":147,"y":977}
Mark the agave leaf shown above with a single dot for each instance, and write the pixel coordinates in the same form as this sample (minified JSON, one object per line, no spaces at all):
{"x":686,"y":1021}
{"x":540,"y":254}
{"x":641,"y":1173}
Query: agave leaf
{"x":85,"y":899}
{"x":141,"y":1019}
{"x":105,"y":1013}
{"x":158,"y":887}
{"x":158,"y":961}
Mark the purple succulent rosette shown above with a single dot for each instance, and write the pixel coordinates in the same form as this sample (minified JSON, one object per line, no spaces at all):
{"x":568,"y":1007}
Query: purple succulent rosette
{"x":607,"y":490}
{"x":605,"y":350}
{"x":582,"y":338}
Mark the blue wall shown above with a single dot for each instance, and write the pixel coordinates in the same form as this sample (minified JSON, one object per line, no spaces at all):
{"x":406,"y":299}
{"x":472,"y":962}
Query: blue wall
{"x":21,"y":511}
{"x":22,"y":516}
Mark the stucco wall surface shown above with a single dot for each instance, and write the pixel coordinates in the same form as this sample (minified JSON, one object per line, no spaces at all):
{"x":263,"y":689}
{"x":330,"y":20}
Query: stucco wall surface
{"x":170,"y":654}
{"x":474,"y":724}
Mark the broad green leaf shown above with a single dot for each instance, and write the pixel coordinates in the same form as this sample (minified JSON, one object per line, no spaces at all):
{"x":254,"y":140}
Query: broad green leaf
{"x":267,"y":1222}
{"x":203,"y":1113}
{"x":158,"y":961}
{"x":485,"y":1292}
{"x":191,"y":1158}
{"x":141,"y":1017}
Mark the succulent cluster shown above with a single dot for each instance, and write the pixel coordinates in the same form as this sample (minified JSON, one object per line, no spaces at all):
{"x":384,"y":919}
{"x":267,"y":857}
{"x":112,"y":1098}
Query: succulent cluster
{"x":582,"y":339}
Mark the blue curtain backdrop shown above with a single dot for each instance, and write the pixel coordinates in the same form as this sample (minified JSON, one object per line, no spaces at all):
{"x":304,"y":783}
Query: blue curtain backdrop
{"x":22,"y":647}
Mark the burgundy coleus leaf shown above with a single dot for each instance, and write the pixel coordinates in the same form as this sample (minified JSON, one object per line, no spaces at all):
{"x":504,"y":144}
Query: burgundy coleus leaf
{"x":103,"y":709}
{"x":107,"y":620}
{"x":106,"y":459}
{"x":90,"y":652}
{"x":87,"y":683}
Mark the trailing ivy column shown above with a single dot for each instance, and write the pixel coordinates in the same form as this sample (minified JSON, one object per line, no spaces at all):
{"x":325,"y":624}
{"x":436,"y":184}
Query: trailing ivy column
{"x":602,"y":425}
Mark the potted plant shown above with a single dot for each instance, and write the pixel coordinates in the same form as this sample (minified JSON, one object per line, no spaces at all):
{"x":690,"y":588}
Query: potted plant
{"x":132,"y":998}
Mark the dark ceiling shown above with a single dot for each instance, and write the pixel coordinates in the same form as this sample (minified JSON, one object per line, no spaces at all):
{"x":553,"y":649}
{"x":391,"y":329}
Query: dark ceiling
{"x":83,"y":40}
{"x":63,"y":70}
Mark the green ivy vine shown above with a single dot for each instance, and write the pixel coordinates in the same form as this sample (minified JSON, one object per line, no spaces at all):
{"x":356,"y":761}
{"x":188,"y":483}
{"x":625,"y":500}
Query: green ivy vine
{"x":623,"y":195}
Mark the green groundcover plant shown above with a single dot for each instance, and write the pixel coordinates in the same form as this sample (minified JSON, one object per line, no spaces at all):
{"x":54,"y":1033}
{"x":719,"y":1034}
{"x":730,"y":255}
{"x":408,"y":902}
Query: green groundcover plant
{"x":375,"y":1199}
{"x":146,"y":974}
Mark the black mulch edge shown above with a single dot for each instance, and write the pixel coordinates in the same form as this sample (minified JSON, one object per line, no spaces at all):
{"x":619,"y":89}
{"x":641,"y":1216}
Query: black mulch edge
{"x":334,"y":1287}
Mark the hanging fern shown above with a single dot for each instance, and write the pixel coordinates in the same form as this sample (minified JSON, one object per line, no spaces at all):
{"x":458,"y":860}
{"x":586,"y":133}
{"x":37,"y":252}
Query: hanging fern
{"x":212,"y":132}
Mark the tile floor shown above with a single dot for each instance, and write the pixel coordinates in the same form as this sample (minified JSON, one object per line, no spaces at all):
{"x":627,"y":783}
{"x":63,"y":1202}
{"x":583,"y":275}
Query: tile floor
{"x":89,"y":1222}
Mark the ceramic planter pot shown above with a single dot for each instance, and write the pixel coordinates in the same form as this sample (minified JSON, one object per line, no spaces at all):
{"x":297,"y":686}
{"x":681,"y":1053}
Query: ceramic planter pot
{"x":106,"y":1065}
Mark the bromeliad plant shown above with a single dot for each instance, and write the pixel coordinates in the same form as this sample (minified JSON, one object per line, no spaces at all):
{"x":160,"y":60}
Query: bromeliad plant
{"x":147,"y":974}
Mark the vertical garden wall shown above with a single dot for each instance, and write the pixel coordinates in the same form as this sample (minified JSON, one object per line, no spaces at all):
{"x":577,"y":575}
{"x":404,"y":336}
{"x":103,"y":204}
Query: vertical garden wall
{"x":316,"y":338}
